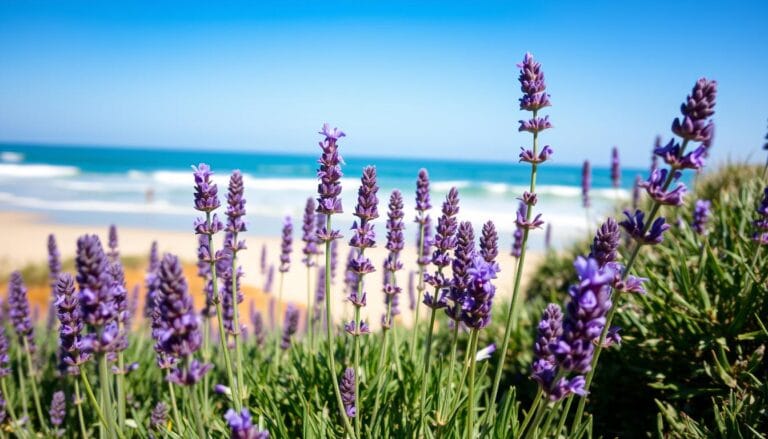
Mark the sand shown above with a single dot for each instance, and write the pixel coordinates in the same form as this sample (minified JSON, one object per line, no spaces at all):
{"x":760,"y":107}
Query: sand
{"x":25,"y":238}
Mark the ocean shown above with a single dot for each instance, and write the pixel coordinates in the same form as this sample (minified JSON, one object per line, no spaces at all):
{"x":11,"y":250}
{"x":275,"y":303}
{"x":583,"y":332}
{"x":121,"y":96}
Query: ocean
{"x":152,"y":188}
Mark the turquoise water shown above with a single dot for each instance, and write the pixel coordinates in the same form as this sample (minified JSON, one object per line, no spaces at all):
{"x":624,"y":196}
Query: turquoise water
{"x":153,"y":187}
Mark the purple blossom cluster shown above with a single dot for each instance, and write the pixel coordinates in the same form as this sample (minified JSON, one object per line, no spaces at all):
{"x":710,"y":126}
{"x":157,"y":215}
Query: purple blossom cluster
{"x":290,"y":325}
{"x":71,"y":355}
{"x":761,"y":224}
{"x":347,"y":388}
{"x":309,"y":234}
{"x":444,"y":242}
{"x":235,"y":212}
{"x":392,"y":264}
{"x":286,"y":245}
{"x":19,"y":313}
{"x":615,"y":168}
{"x":241,"y":426}
{"x":701,"y":214}
{"x":586,"y":184}
{"x":98,"y":288}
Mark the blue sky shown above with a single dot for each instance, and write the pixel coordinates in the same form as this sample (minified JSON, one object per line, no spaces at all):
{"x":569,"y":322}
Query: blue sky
{"x":401,"y":78}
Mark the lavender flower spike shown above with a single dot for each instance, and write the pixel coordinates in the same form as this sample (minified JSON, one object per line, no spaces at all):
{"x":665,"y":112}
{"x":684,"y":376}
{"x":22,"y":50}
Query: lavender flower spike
{"x":58,"y":411}
{"x":586,"y":183}
{"x":241,"y":426}
{"x":656,"y":186}
{"x":464,"y":255}
{"x":290,"y":325}
{"x":286,"y":245}
{"x":761,"y":224}
{"x":235,"y":211}
{"x":5,"y":360}
{"x":347,"y":387}
{"x":113,"y":253}
{"x":489,"y":242}
{"x":615,"y":168}
{"x":309,"y":236}
{"x":422,"y":195}
{"x":329,"y":173}
{"x":54,"y":261}
{"x":701,"y":213}
{"x":606,"y":242}
{"x":478,"y":301}
{"x":698,"y":107}
{"x":635,"y":226}
{"x":19,"y":312}
{"x":206,"y":192}
{"x":444,"y":242}
{"x":68,"y":309}
{"x":158,"y":417}
{"x":543,"y":369}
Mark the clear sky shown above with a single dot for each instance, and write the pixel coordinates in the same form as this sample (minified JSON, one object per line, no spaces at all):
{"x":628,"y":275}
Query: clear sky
{"x":431,"y":78}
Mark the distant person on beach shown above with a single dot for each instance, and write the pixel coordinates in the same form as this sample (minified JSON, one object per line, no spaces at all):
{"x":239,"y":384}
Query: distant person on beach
{"x":149,"y":195}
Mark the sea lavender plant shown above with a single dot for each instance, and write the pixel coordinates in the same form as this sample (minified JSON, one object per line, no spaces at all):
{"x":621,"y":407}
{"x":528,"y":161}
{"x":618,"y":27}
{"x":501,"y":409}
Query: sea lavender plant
{"x":257,"y":323}
{"x":615,"y":168}
{"x":309,"y":237}
{"x":517,"y":236}
{"x":444,"y":242}
{"x":694,"y":126}
{"x":179,"y":330}
{"x":151,"y":279}
{"x":286,"y":247}
{"x":363,"y":237}
{"x":57,"y":412}
{"x":329,"y":203}
{"x":534,"y":99}
{"x":423,"y":205}
{"x":112,"y":243}
{"x":54,"y":268}
{"x":241,"y":426}
{"x":233,"y":245}
{"x":701,"y":213}
{"x":158,"y":418}
{"x":586,"y":183}
{"x":18,"y":303}
{"x":348,"y":392}
{"x":206,"y":200}
{"x":761,"y":224}
{"x":290,"y":325}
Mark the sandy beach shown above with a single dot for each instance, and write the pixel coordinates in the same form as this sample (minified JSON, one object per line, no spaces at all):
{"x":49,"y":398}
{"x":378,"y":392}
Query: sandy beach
{"x":25,"y":239}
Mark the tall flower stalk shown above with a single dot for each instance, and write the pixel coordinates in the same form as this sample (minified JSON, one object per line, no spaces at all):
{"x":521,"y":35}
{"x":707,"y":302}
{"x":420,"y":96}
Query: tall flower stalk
{"x":235,"y":225}
{"x":329,"y":203}
{"x":309,"y":237}
{"x":363,"y":237}
{"x":18,"y":303}
{"x":445,"y":242}
{"x":392,"y":265}
{"x":286,"y":247}
{"x":694,"y":126}
{"x":534,"y":99}
{"x":207,"y":200}
{"x":422,"y":247}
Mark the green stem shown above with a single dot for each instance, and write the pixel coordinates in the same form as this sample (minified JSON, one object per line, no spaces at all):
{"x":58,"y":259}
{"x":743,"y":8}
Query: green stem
{"x":175,"y":408}
{"x":94,"y":402}
{"x":196,"y":412}
{"x":533,"y":409}
{"x":516,"y":290}
{"x":356,"y":343}
{"x":548,"y":422}
{"x":278,"y":320}
{"x":207,"y":360}
{"x":33,"y":380}
{"x":382,"y":369}
{"x":22,"y":383}
{"x":427,"y":364}
{"x":540,"y":410}
{"x":420,"y":290}
{"x":449,"y":387}
{"x":105,"y":384}
{"x":471,"y":385}
{"x":79,"y":404}
{"x":329,"y":332}
{"x":564,"y":415}
{"x":120,"y":379}
{"x":310,"y":319}
{"x":239,"y":392}
{"x":219,"y":316}
{"x":11,"y":411}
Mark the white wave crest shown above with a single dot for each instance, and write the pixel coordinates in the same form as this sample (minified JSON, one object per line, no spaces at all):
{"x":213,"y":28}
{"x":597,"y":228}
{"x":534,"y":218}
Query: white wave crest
{"x":36,"y":171}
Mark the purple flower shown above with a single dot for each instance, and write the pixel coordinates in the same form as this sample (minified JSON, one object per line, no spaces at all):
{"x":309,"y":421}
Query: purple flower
{"x":615,"y":168}
{"x":263,"y":260}
{"x":517,"y":243}
{"x":241,"y":426}
{"x":18,"y":303}
{"x":463,"y":259}
{"x":329,"y":172}
{"x":535,"y":125}
{"x":543,"y":369}
{"x":761,"y":224}
{"x":634,"y":225}
{"x":206,"y":192}
{"x":589,"y":303}
{"x":612,"y":337}
{"x":486,"y":352}
{"x":698,"y":107}
{"x":71,"y":325}
{"x":270,"y":279}
{"x":444,"y":242}
{"x":178,"y":335}
{"x":355,"y":331}
{"x":113,"y":252}
{"x":347,"y":388}
{"x":489,"y":242}
{"x":532,"y":85}
{"x":671,"y":154}
{"x":58,"y":410}
{"x":286,"y":245}
{"x":606,"y":242}
{"x":235,"y":212}
{"x":395,"y":244}
{"x":158,"y":417}
{"x":224,"y":269}
{"x":586,"y":183}
{"x":426,"y":246}
{"x":54,"y":261}
{"x":526,"y":155}
{"x":257,"y":322}
{"x":290,"y":325}
{"x":657,"y":187}
{"x":411,"y":290}
{"x":636,"y":192}
{"x":422,"y":195}
{"x":319,"y":295}
{"x":308,"y":233}
{"x":477,"y":303}
{"x":5,"y":360}
{"x":701,"y":214}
